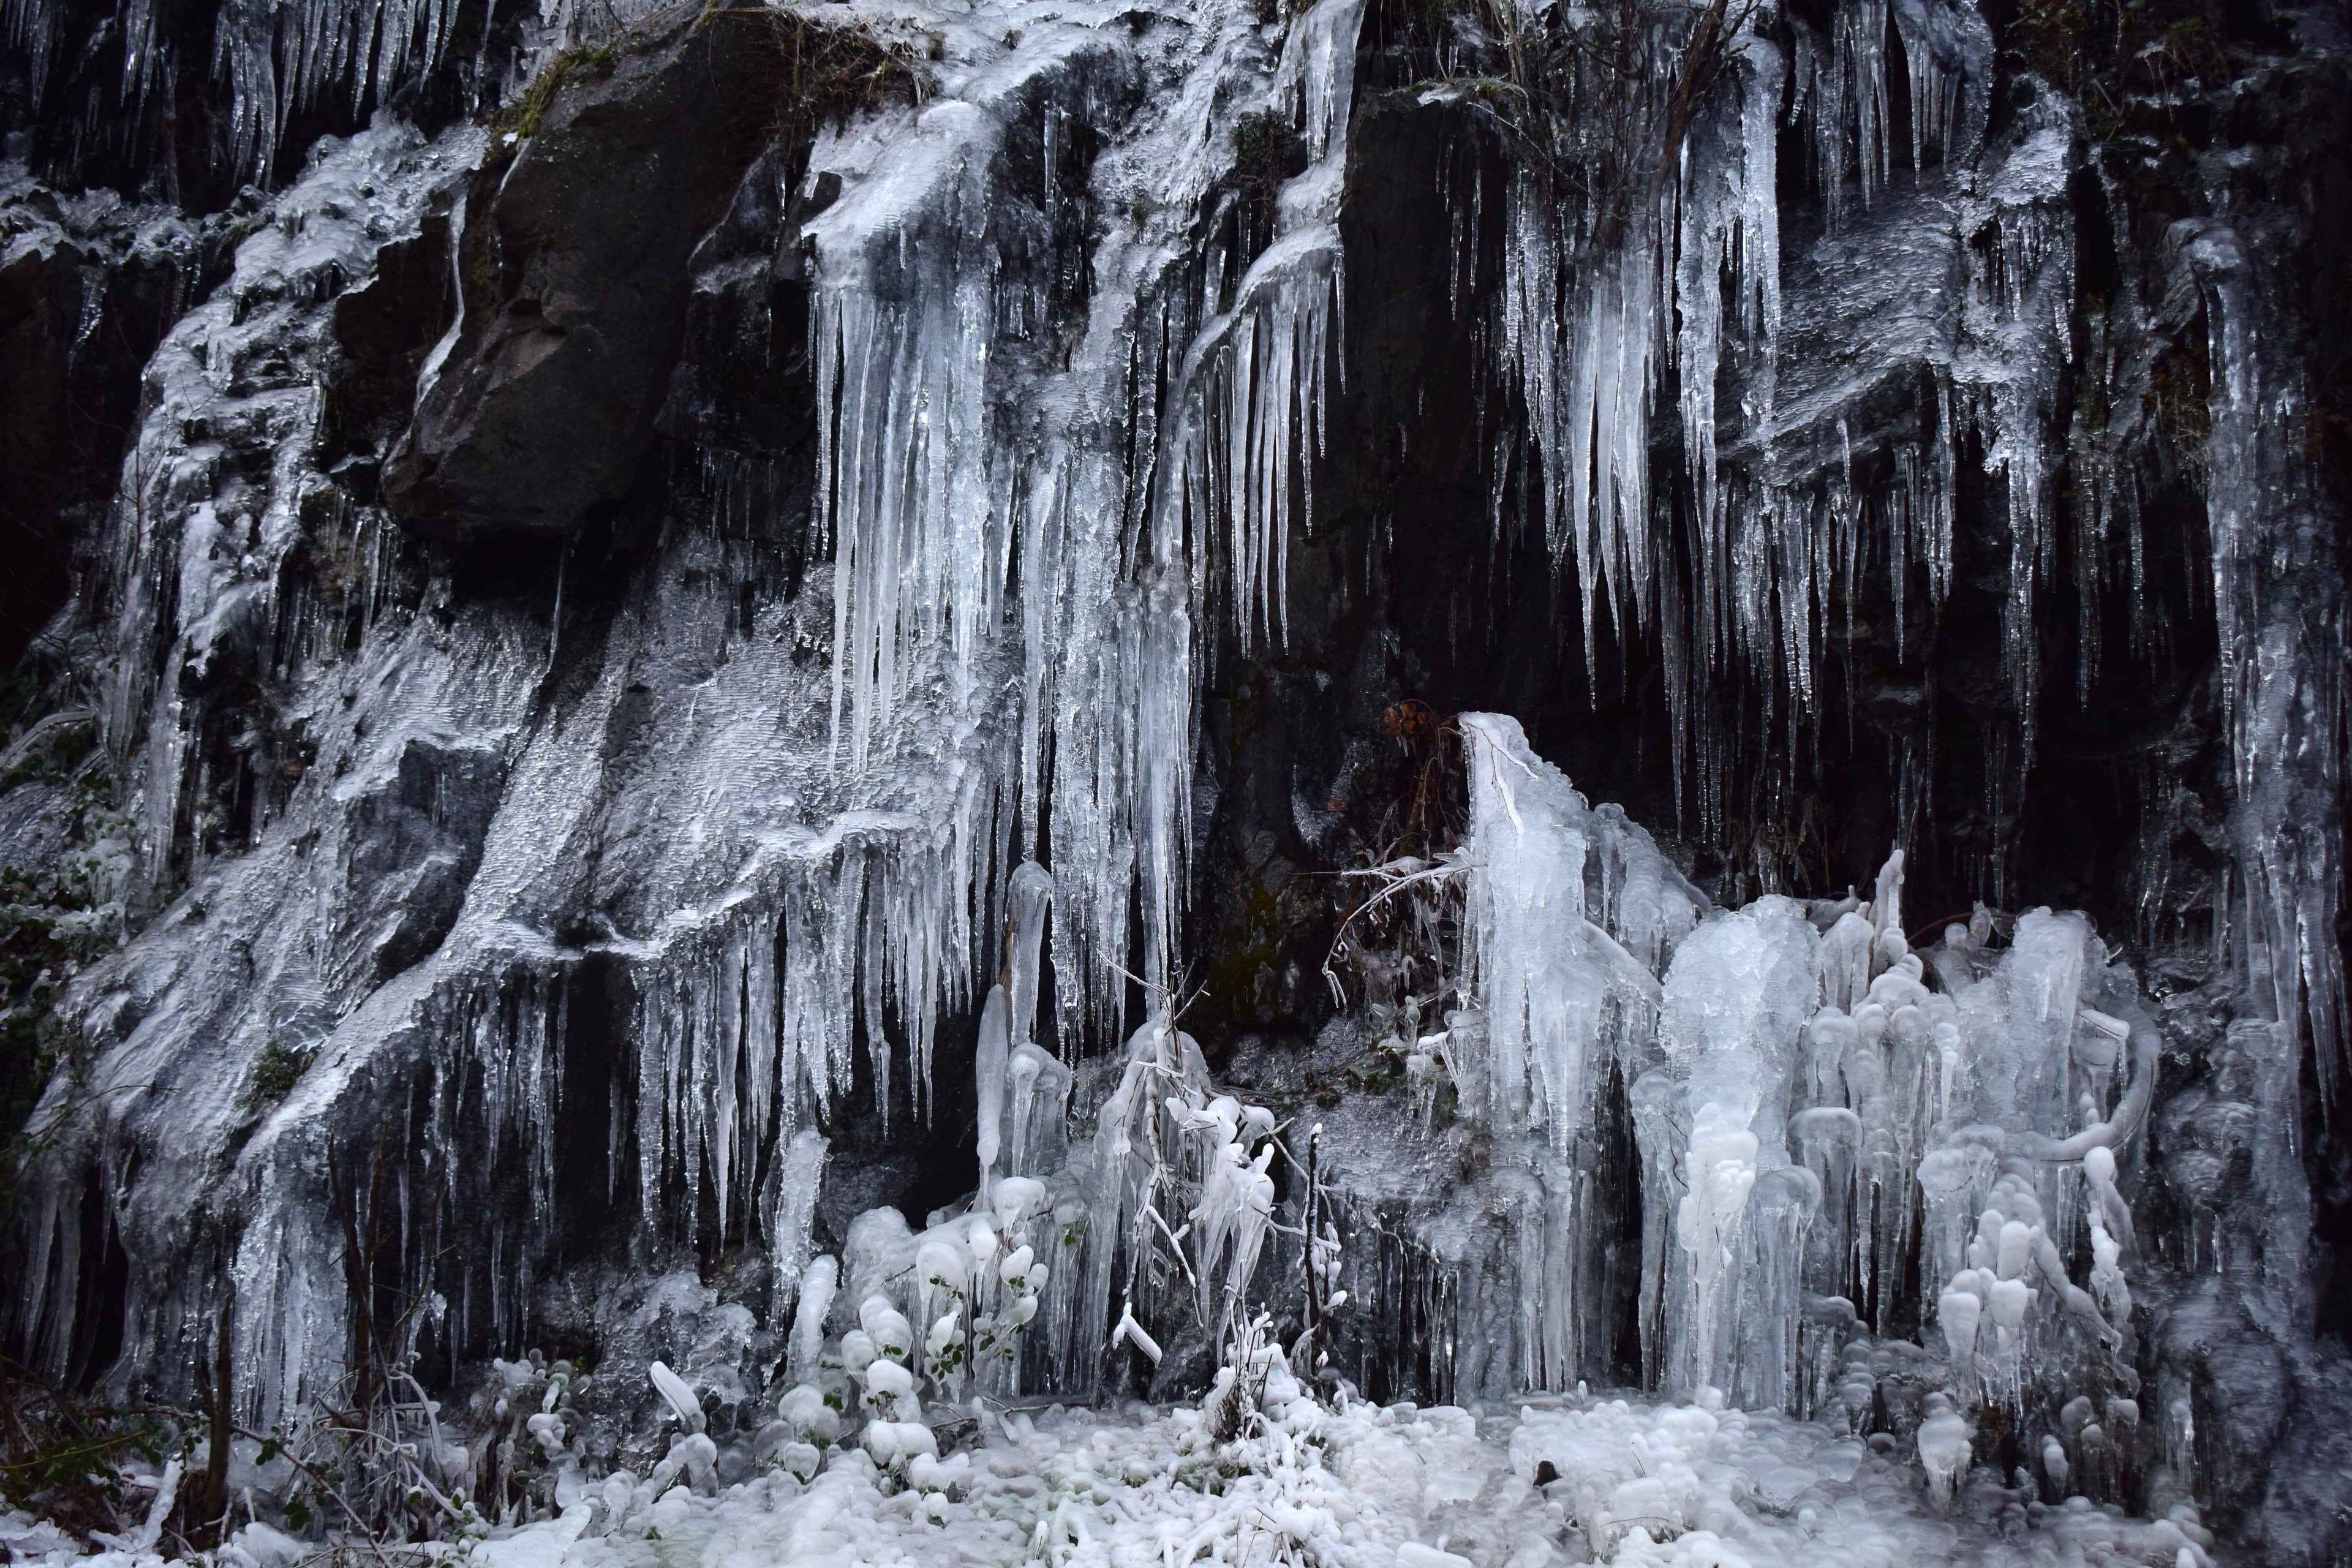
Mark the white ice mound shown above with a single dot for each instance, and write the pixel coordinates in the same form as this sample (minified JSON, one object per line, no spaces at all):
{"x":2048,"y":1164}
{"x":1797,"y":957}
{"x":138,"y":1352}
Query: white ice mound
{"x":1812,"y":1106}
{"x":1360,"y":1485}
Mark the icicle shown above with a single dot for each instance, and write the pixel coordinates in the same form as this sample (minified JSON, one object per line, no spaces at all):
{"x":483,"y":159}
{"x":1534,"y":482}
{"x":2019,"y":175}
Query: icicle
{"x":899,"y":328}
{"x":991,"y":1062}
{"x":1032,"y":895}
{"x":818,"y":1281}
{"x":800,"y":1177}
{"x":2278,"y":596}
{"x":1036,"y":1111}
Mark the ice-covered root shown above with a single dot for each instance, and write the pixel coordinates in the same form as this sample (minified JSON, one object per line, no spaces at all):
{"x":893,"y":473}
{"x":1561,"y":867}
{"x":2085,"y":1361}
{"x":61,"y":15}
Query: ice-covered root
{"x":692,"y":1456}
{"x":1944,"y":1450}
{"x":1130,"y":1332}
{"x":142,"y":1539}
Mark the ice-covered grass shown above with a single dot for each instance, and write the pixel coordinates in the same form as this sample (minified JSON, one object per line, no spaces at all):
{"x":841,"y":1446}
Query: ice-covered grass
{"x":1572,"y":1480}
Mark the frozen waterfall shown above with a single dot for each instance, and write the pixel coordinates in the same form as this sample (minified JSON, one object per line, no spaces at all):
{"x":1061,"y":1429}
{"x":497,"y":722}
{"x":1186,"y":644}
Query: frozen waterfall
{"x":800,"y":705}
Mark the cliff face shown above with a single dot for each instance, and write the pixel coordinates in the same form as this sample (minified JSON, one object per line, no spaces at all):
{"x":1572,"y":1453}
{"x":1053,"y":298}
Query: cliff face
{"x":562,"y":606}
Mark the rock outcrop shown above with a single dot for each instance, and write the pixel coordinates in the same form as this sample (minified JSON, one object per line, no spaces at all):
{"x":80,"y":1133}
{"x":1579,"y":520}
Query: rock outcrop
{"x":573,"y":279}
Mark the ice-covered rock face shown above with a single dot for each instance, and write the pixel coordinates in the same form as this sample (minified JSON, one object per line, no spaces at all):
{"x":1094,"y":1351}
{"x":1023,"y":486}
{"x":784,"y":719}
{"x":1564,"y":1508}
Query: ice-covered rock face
{"x":666,"y":657}
{"x":871,"y":742}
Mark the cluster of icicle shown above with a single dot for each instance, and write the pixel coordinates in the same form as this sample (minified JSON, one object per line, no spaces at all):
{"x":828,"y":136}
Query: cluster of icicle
{"x":1802,"y":1083}
{"x":973,"y":1283}
{"x":1170,"y":1199}
{"x":1167,"y":1144}
{"x":271,"y":60}
{"x":1672,"y":266}
{"x":747,"y":1028}
{"x":976,"y":1280}
{"x":1814,"y":1103}
{"x":985,"y":539}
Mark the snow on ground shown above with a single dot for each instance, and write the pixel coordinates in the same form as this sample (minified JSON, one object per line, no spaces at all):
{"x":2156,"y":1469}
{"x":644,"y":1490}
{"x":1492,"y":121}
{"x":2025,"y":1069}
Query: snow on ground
{"x":1367,"y":1487}
{"x":1690,"y":1485}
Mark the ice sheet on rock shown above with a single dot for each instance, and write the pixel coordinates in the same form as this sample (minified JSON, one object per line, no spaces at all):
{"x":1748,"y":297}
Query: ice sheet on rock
{"x":1023,"y":592}
{"x":221,"y":472}
{"x":1554,"y":985}
{"x":1736,"y":999}
{"x":733,"y":1046}
{"x":2281,"y":688}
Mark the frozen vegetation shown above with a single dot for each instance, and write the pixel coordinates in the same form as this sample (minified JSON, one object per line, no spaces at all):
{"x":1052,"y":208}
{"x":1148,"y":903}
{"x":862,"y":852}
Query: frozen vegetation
{"x":1560,"y":1479}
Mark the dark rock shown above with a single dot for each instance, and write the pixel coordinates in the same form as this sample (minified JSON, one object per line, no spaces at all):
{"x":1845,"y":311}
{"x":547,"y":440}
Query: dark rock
{"x":742,"y":384}
{"x":82,"y":306}
{"x":386,"y":327}
{"x":573,"y":257}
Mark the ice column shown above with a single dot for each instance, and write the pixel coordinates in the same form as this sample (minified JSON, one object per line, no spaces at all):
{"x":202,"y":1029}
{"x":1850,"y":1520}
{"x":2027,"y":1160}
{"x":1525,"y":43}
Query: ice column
{"x":992,"y":1063}
{"x":1738,"y":997}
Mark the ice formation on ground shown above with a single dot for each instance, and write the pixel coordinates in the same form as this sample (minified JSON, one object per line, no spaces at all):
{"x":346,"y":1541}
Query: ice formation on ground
{"x":1360,"y":1486}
